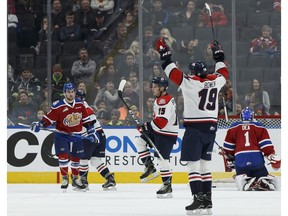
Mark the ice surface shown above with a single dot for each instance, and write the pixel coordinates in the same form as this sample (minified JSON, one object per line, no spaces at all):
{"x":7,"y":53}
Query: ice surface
{"x":133,"y":200}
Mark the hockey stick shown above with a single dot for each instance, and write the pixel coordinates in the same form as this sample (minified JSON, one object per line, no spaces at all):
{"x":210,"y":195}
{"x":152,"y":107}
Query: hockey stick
{"x":210,"y":14}
{"x":225,"y":110}
{"x":61,"y":132}
{"x":120,"y":91}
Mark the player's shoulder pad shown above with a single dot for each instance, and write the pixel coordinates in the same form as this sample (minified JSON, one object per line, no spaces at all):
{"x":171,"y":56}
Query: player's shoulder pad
{"x":57,"y":103}
{"x":163,"y":100}
{"x":236,"y":124}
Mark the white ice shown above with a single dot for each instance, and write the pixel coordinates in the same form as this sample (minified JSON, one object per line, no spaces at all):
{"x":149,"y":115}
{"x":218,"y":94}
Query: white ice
{"x":133,"y":200}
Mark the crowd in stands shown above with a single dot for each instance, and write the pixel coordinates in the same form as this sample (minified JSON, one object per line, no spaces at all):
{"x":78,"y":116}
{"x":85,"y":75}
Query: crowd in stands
{"x":95,"y":44}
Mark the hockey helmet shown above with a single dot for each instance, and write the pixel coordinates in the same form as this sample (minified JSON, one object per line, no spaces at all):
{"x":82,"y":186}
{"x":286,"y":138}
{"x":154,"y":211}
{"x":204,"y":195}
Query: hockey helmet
{"x":198,"y":68}
{"x":68,"y":86}
{"x":80,"y":94}
{"x":247,"y":114}
{"x":161,"y":81}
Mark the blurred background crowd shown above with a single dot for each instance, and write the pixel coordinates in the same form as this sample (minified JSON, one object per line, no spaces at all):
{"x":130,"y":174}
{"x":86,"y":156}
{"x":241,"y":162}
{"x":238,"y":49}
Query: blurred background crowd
{"x":96,"y":43}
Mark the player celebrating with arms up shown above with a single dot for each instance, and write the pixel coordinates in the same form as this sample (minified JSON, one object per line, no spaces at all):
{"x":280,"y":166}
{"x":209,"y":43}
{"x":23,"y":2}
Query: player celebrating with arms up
{"x":248,"y":141}
{"x":163,"y":131}
{"x":200,"y":92}
{"x":69,"y":114}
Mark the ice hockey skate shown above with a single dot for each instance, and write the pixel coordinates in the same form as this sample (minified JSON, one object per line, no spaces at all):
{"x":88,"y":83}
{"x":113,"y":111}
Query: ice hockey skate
{"x":110,"y":183}
{"x":77,"y":185}
{"x":165,"y":192}
{"x":196,"y":207}
{"x":149,"y":173}
{"x":207,"y":202}
{"x":65,"y":183}
{"x":85,"y":183}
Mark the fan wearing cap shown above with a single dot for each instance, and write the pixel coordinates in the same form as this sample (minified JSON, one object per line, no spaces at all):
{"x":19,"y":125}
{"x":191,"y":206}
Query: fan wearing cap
{"x":248,"y":142}
{"x":58,"y":81}
{"x":98,"y":28}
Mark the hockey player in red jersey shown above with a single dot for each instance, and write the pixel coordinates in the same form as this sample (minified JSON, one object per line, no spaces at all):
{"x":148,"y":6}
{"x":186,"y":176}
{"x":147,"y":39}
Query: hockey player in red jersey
{"x":94,"y":152}
{"x":69,"y":115}
{"x":163,"y":131}
{"x":249,"y":142}
{"x":200,"y":92}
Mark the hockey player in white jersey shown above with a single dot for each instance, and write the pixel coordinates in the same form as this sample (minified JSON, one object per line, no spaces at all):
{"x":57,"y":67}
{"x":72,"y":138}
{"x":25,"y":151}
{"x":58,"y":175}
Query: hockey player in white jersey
{"x":200,"y":92}
{"x":94,"y":152}
{"x":163,"y":131}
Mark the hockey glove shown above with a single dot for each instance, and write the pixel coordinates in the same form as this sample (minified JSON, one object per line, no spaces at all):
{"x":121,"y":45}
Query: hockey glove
{"x":163,"y":49}
{"x":147,"y":128}
{"x":93,"y":135}
{"x":36,"y":126}
{"x":139,"y":128}
{"x":218,"y":54}
{"x":275,"y":161}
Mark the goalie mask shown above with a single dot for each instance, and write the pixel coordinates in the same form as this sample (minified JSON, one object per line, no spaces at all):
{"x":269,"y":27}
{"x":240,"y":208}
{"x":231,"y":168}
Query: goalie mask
{"x":161,"y":81}
{"x":198,"y":68}
{"x":247,"y":114}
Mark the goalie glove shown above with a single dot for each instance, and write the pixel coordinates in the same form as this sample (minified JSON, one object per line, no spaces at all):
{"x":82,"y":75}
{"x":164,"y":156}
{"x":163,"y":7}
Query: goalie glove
{"x":218,"y":54}
{"x":275,"y":161}
{"x":229,"y":161}
{"x":163,"y":49}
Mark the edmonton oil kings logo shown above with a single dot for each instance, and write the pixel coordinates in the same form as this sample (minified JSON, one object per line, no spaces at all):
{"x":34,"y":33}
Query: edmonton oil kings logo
{"x":72,"y":119}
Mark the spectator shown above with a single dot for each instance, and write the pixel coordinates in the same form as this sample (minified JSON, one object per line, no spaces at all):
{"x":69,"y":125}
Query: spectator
{"x":129,"y":121}
{"x":118,"y":40}
{"x":45,"y":103}
{"x":28,"y":82}
{"x":265,"y":43}
{"x":238,"y":109}
{"x":133,"y":78}
{"x":169,"y":40}
{"x":10,"y":86}
{"x":103,"y":5}
{"x":150,"y":58}
{"x":157,"y":17}
{"x":130,"y":93}
{"x":218,"y":16}
{"x":147,"y":91}
{"x":257,"y":99}
{"x":277,"y":6}
{"x":98,"y":28}
{"x":57,"y":17}
{"x":148,"y":39}
{"x":115,"y":114}
{"x":103,"y":117}
{"x":156,"y":71}
{"x":128,"y":66}
{"x":24,"y":110}
{"x":123,"y":109}
{"x":76,"y":5}
{"x":71,"y":31}
{"x":83,"y":70}
{"x":188,"y":52}
{"x":108,"y":94}
{"x":130,"y":21}
{"x":85,"y":18}
{"x":57,"y":82}
{"x":190,"y":16}
{"x":82,"y":87}
{"x":40,"y":113}
{"x":148,"y":109}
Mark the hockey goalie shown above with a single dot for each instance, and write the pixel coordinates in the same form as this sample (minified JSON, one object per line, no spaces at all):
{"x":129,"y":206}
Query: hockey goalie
{"x":246,"y":145}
